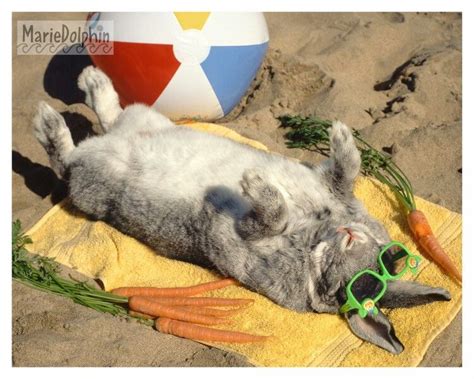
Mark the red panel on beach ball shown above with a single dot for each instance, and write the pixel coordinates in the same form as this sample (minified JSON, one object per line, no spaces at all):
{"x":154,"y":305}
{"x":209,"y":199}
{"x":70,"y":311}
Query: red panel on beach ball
{"x":150,"y":65}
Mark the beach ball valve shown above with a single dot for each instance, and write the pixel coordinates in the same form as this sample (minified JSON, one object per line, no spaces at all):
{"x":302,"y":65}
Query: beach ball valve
{"x":195,"y":65}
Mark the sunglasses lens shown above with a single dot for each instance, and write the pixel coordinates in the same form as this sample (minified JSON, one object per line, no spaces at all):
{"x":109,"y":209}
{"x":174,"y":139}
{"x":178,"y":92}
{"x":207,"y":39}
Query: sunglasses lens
{"x":394,"y":259}
{"x":366,"y":286}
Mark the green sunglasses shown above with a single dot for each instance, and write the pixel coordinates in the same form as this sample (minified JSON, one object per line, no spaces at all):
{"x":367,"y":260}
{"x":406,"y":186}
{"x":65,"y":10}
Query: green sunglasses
{"x":355,"y":289}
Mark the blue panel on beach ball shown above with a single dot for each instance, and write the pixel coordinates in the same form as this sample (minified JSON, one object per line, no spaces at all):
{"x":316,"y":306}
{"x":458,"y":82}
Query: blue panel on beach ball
{"x":231,"y":69}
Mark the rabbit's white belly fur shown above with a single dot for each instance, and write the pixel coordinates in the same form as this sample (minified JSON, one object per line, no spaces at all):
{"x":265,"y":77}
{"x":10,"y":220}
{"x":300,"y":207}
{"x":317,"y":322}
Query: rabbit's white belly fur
{"x":176,"y":162}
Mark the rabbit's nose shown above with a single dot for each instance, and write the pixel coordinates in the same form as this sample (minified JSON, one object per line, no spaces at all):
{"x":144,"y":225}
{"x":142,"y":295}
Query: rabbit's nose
{"x":350,"y":238}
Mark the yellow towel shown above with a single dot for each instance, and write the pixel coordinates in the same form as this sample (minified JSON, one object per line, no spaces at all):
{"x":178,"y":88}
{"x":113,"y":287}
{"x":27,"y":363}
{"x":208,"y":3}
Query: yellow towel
{"x":99,"y":251}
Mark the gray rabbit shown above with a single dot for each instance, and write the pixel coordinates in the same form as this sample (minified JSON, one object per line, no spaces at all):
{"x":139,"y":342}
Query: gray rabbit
{"x":290,"y":231}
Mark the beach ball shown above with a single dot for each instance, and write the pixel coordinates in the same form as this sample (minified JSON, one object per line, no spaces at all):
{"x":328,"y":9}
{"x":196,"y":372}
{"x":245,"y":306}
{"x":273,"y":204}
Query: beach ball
{"x":188,"y":65}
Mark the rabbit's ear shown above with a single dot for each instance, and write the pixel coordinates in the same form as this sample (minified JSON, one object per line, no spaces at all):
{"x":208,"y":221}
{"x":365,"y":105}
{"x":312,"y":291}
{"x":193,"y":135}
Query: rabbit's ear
{"x":375,"y":329}
{"x":404,"y":294}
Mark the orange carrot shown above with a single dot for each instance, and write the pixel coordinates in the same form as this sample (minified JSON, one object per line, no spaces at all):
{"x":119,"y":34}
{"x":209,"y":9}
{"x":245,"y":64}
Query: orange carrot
{"x":185,"y":121}
{"x":201,"y":301}
{"x":210,"y":311}
{"x":424,"y":235}
{"x":174,"y":292}
{"x":419,"y":224}
{"x":201,"y":333}
{"x":152,"y":308}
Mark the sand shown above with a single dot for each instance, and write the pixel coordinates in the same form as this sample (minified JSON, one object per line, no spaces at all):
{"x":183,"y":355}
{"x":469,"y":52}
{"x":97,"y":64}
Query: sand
{"x":395,"y":77}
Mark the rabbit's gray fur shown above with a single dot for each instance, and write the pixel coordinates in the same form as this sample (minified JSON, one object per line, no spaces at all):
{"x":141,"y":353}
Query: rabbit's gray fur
{"x":272,"y":223}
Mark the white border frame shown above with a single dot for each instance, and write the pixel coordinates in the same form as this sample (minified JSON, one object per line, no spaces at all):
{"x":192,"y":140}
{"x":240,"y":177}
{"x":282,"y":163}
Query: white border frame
{"x":246,"y":5}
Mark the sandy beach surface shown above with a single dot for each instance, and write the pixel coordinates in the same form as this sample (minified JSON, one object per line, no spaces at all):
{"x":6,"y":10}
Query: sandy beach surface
{"x":395,"y":77}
